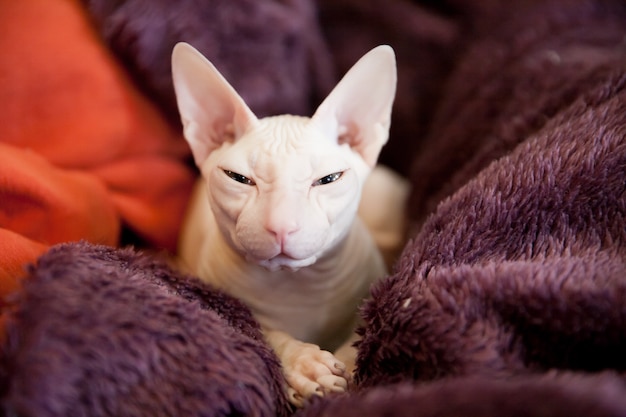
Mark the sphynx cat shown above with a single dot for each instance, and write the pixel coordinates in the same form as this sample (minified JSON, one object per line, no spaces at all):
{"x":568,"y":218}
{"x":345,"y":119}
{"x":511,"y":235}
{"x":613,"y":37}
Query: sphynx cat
{"x":274,"y":218}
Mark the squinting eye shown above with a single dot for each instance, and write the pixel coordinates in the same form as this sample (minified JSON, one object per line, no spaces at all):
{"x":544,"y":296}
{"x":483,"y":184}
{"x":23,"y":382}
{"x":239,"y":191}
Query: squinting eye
{"x":328,"y":178}
{"x":238,"y":177}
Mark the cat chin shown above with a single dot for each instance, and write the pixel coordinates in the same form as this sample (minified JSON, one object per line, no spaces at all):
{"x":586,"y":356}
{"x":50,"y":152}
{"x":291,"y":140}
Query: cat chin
{"x":282,"y":262}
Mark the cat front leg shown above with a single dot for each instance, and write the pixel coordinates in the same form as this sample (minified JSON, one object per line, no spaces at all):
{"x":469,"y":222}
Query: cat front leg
{"x":308,"y":369}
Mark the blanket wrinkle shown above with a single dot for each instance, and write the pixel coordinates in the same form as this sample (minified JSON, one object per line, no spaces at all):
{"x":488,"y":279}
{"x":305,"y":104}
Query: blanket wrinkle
{"x":101,"y":331}
{"x":42,"y":202}
{"x":272,"y":52}
{"x":535,"y":222}
{"x":490,"y":116}
{"x":83,"y":155}
{"x":548,"y":395}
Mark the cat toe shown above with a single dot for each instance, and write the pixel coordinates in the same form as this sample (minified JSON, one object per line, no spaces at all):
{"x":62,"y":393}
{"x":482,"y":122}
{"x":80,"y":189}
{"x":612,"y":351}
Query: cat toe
{"x":295,"y":398}
{"x":301,"y":388}
{"x":333,"y":383}
{"x":331,"y":363}
{"x":318,"y":374}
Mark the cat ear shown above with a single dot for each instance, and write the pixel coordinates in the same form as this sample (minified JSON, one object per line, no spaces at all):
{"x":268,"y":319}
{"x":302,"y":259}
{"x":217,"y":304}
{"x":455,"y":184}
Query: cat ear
{"x":211,"y":110}
{"x":358,"y":110}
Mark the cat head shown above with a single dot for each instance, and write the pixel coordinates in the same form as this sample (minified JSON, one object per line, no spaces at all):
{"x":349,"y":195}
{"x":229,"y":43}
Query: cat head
{"x":285,"y":190}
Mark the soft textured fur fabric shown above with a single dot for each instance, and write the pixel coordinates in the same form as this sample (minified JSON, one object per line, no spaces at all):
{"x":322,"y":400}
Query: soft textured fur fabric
{"x":104,"y":332}
{"x":522,"y":269}
{"x":545,"y":396}
{"x":517,"y":79}
{"x":271,"y":51}
{"x":83,"y":154}
{"x":424,"y":42}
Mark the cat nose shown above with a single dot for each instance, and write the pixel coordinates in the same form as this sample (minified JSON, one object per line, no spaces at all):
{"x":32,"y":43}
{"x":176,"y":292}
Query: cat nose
{"x":281,"y":228}
{"x":282,"y":216}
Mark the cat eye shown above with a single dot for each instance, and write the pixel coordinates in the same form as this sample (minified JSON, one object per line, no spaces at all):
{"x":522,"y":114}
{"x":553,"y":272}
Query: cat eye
{"x":238,"y":177}
{"x":328,"y":179}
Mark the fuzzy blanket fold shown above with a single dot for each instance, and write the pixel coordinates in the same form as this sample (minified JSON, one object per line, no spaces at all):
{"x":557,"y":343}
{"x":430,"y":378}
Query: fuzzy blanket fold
{"x":83,"y":155}
{"x":519,"y":264}
{"x":547,"y":395}
{"x":103,"y":332}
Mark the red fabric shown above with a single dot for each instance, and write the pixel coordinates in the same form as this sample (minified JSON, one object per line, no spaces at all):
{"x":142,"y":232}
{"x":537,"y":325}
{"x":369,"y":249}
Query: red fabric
{"x":82,"y":153}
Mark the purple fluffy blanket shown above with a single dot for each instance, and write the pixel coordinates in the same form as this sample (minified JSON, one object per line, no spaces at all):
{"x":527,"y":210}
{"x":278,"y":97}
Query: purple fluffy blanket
{"x":509,"y":298}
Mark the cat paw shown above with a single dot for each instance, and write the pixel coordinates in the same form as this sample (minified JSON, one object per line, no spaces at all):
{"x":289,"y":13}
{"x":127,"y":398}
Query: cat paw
{"x":308,"y":370}
{"x":311,"y":371}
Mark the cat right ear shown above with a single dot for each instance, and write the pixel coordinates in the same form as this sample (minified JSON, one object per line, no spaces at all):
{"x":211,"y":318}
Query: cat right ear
{"x":210,"y":109}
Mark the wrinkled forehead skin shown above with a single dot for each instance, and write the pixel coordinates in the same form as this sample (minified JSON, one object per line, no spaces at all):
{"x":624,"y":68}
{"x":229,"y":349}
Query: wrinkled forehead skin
{"x":286,"y":149}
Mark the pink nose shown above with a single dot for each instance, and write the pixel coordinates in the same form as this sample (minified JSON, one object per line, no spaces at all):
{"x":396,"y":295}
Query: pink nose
{"x":281,"y":217}
{"x":282,"y":229}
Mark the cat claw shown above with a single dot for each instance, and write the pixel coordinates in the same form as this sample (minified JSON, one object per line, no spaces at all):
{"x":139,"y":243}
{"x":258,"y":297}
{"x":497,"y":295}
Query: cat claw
{"x":326,"y":384}
{"x":313,"y":372}
{"x":332,"y":383}
{"x":295,"y":398}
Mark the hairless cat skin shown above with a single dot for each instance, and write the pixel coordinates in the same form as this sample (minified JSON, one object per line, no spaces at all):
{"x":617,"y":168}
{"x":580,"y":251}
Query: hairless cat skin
{"x":275,"y":219}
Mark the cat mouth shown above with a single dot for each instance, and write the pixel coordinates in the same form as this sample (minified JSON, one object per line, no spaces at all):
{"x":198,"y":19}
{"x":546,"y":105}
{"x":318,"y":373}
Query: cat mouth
{"x":286,"y":262}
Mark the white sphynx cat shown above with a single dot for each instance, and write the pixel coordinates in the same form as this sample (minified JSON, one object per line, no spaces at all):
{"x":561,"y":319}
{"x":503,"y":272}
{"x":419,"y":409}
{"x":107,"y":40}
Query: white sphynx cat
{"x":274,"y":219}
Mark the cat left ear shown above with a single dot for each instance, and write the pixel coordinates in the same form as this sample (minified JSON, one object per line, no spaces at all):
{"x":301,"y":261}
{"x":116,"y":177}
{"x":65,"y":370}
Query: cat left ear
{"x":211,"y":110}
{"x":358,"y":110}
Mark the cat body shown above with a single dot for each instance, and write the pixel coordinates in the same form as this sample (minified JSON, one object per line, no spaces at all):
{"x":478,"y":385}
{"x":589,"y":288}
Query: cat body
{"x":273,"y":220}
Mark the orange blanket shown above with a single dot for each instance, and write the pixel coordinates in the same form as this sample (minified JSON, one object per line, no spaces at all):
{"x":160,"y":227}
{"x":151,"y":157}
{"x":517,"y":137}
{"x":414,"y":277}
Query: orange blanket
{"x":82,"y":153}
